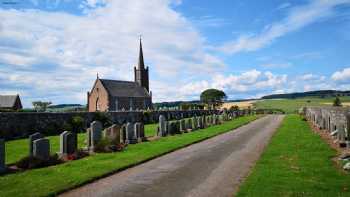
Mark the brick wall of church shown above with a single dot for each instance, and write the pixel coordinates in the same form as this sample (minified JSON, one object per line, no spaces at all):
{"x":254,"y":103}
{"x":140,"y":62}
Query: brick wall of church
{"x":98,"y":98}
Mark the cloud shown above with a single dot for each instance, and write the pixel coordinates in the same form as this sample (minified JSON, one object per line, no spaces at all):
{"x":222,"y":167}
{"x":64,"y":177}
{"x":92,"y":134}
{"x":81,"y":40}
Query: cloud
{"x":284,"y":6}
{"x":245,"y":84}
{"x":277,"y":65}
{"x":342,"y":76}
{"x":56,"y":55}
{"x":297,"y":18}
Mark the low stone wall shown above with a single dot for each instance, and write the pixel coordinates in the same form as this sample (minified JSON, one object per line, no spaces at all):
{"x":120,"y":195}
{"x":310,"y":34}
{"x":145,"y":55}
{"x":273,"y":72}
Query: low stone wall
{"x":21,"y":124}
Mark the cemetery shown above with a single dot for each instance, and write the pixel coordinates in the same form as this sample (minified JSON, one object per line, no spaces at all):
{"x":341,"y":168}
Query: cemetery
{"x":115,"y":143}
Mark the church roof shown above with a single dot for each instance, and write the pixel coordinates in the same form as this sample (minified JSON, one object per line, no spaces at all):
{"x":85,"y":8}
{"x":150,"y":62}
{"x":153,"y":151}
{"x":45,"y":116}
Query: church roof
{"x":7,"y":101}
{"x":124,"y":88}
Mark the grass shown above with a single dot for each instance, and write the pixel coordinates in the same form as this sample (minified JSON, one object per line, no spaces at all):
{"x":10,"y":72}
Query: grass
{"x":297,"y":162}
{"x":55,"y":179}
{"x":17,"y":149}
{"x":292,"y":105}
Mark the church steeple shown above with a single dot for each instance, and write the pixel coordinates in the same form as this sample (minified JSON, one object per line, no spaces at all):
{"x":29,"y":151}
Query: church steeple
{"x":141,"y":73}
{"x":141,"y":63}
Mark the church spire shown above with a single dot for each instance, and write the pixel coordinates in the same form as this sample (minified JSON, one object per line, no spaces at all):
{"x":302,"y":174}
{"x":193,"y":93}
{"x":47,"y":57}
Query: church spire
{"x":141,"y":64}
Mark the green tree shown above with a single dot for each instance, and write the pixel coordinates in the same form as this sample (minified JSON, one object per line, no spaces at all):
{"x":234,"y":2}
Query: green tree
{"x":40,"y":106}
{"x":213,"y":97}
{"x":337,"y":102}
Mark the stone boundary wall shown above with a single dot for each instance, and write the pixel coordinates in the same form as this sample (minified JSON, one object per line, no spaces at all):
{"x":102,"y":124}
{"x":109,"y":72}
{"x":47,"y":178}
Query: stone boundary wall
{"x":328,"y":118}
{"x":21,"y":124}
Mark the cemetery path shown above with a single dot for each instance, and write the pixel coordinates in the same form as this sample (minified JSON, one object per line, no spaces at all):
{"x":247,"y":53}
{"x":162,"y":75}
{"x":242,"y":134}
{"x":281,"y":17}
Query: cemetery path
{"x":214,"y":167}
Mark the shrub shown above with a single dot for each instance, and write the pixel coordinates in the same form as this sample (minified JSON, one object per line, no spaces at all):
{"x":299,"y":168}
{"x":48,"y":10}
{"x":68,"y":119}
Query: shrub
{"x":77,"y":124}
{"x":103,"y":118}
{"x":31,"y":162}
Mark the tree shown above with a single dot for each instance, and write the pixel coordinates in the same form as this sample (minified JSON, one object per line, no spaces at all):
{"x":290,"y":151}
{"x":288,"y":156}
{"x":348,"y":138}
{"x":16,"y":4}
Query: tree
{"x":337,"y":102}
{"x":213,"y":97}
{"x":234,"y":108}
{"x":40,"y":106}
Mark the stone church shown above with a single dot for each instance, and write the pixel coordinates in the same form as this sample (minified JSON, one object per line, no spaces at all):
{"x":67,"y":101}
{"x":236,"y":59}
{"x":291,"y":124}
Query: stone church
{"x":116,"y":95}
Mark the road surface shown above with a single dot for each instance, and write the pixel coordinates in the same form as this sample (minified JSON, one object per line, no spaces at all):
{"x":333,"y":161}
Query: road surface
{"x":214,"y":167}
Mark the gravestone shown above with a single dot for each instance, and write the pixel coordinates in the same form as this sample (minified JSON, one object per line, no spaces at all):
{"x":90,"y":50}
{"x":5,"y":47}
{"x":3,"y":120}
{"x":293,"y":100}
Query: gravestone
{"x":88,"y":137}
{"x":112,"y":133}
{"x":41,"y":149}
{"x":200,"y":122}
{"x":183,"y":125}
{"x":124,"y":134}
{"x":189,"y":124}
{"x":195,"y":123}
{"x":67,"y":143}
{"x":140,"y":132}
{"x":96,"y":133}
{"x":205,"y":124}
{"x":2,"y":156}
{"x":162,"y":126}
{"x":177,"y":131}
{"x":130,"y":130}
{"x":172,"y":128}
{"x":32,"y":138}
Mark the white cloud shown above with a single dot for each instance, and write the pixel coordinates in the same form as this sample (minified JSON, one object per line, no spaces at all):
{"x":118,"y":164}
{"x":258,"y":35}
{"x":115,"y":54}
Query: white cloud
{"x":62,"y":52}
{"x":342,"y":76}
{"x":277,"y":65}
{"x":252,"y":81}
{"x":297,"y":18}
{"x":284,"y":6}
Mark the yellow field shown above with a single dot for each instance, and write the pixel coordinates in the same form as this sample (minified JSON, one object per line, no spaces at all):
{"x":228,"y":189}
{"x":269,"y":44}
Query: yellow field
{"x":345,"y":104}
{"x":241,"y":105}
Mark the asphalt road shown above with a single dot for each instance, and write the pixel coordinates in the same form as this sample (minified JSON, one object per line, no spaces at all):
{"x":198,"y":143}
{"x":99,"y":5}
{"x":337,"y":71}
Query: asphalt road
{"x":214,"y":167}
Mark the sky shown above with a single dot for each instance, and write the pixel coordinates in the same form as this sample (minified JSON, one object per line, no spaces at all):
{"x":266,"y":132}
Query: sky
{"x":52,"y":50}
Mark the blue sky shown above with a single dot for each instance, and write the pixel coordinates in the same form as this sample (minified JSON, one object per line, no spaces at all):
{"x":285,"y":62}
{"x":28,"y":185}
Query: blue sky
{"x":52,"y":49}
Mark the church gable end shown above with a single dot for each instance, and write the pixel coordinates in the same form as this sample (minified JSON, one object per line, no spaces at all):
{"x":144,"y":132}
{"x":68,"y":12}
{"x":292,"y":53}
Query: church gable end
{"x":98,"y":98}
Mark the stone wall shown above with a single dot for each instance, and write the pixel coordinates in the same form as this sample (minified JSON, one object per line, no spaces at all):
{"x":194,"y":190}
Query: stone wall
{"x":21,"y":124}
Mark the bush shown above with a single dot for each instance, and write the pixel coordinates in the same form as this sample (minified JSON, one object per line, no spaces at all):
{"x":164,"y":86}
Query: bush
{"x":103,"y":118}
{"x":31,"y":162}
{"x":77,"y":123}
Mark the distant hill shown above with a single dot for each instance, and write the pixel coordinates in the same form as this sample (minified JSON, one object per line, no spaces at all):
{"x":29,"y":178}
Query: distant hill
{"x":65,"y":105}
{"x":319,"y":93}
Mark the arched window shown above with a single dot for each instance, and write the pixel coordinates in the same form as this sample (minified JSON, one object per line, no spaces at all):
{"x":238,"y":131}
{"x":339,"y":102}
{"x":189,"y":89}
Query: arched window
{"x":97,"y":105}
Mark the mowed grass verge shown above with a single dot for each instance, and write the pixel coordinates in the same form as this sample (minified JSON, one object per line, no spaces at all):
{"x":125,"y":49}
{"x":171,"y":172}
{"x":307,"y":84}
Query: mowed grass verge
{"x":297,"y":162}
{"x":17,"y":149}
{"x":55,"y":179}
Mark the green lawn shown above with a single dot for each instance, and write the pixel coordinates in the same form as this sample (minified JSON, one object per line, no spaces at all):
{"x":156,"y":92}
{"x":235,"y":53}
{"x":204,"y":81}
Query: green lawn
{"x":292,"y":105}
{"x":54,"y":179}
{"x":17,"y":149}
{"x":297,"y":162}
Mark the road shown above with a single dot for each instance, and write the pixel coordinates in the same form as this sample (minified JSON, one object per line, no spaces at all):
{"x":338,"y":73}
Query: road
{"x":214,"y":167}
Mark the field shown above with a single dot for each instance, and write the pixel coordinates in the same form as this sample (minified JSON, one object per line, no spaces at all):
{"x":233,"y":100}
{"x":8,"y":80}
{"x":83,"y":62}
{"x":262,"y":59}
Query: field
{"x":241,"y":105}
{"x":296,"y":163}
{"x":55,"y":179}
{"x":17,"y":149}
{"x":293,"y":105}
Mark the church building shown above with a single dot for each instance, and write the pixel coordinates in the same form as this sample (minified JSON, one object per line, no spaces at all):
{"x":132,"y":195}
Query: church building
{"x":116,"y":95}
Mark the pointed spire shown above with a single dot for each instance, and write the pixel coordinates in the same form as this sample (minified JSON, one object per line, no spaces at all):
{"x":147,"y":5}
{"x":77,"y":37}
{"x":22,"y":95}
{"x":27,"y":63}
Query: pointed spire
{"x":141,"y":64}
{"x":97,"y":76}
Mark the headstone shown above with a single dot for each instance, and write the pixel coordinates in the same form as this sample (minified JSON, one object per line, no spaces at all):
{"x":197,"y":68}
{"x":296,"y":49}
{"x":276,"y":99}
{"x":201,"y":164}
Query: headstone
{"x":2,"y":156}
{"x":162,"y":126}
{"x":67,"y":143}
{"x":195,"y":123}
{"x":124,"y":135}
{"x":200,"y":122}
{"x":96,"y":133}
{"x":177,"y":131}
{"x":88,"y":137}
{"x":171,"y":128}
{"x":112,"y":133}
{"x":32,"y":138}
{"x":130,"y":130}
{"x":205,"y":124}
{"x":189,"y":124}
{"x":183,"y":125}
{"x":140,"y":132}
{"x":41,"y":149}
